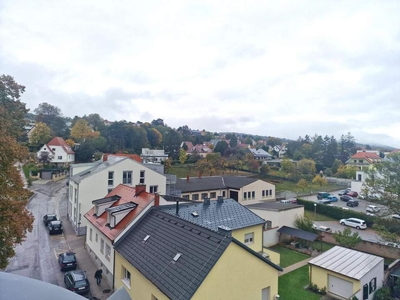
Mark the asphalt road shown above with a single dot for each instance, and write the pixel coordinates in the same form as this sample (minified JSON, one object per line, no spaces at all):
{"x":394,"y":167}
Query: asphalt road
{"x":36,"y":257}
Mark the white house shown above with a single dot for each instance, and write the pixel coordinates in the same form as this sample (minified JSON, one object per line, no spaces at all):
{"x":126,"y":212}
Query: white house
{"x":59,"y":151}
{"x":153,"y":155}
{"x":276,"y":215}
{"x":96,"y":180}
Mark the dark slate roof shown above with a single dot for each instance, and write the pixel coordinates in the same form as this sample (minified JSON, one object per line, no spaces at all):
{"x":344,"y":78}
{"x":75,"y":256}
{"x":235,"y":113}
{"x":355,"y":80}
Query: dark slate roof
{"x":304,"y":235}
{"x":195,"y":184}
{"x":200,"y":249}
{"x":228,"y":213}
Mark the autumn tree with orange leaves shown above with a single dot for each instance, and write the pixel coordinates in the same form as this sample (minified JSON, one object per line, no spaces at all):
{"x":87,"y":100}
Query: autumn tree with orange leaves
{"x":15,"y":219}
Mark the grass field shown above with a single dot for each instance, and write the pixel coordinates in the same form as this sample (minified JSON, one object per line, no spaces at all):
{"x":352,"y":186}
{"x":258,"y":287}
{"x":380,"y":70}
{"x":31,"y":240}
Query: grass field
{"x":288,"y":257}
{"x":292,"y":285}
{"x":317,"y":217}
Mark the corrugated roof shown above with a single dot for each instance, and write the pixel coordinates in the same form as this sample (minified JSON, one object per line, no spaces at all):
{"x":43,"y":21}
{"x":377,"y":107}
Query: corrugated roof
{"x":228,"y":213}
{"x":347,"y":262}
{"x":195,"y":184}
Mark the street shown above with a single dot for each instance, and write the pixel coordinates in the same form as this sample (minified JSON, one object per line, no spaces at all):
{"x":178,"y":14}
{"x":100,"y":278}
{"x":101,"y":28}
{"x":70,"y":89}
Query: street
{"x":36,"y":257}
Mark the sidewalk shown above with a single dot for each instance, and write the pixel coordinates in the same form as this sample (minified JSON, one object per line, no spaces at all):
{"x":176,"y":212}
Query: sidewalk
{"x":85,"y":262}
{"x":295,"y":266}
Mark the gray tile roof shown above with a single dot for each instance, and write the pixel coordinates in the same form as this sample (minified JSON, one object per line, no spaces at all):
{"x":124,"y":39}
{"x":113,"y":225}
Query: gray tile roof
{"x":121,"y":207}
{"x":199,"y":247}
{"x":195,"y":184}
{"x":228,"y":213}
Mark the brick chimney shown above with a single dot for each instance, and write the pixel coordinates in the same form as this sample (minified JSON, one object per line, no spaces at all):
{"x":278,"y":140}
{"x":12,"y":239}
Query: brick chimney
{"x":157,"y":200}
{"x":140,"y":188}
{"x":187,"y":178}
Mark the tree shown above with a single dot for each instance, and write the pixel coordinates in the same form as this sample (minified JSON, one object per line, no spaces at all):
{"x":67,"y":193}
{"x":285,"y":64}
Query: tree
{"x":81,"y":131}
{"x":15,"y":219}
{"x":385,"y":234}
{"x":303,"y":184}
{"x":167,"y":164}
{"x":383,"y":182}
{"x":287,"y":166}
{"x":320,"y":180}
{"x":264,"y":169}
{"x":51,"y":115}
{"x":303,"y":223}
{"x":45,"y":157}
{"x":154,"y":137}
{"x":345,"y":171}
{"x":221,"y":147}
{"x":336,"y":165}
{"x":306,"y":167}
{"x":383,"y":293}
{"x":233,"y":141}
{"x":182,"y":156}
{"x":40,"y":135}
{"x":85,"y":152}
{"x":347,"y":238}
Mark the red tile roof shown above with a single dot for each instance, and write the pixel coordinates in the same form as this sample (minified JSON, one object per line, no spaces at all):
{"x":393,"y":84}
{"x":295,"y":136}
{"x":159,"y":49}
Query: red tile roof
{"x":127,"y":194}
{"x":132,"y":156}
{"x":58,"y":141}
{"x":369,"y":156}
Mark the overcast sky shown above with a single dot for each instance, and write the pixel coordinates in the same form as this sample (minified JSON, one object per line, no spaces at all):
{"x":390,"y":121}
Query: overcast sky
{"x":274,"y":68}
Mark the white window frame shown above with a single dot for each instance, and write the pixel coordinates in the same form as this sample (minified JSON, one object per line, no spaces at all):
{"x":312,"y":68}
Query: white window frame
{"x":108,"y":252}
{"x":126,"y":277}
{"x":142,"y":176}
{"x":153,"y":189}
{"x":111,"y":178}
{"x":90,"y":234}
{"x":249,"y":238}
{"x":127,"y":177}
{"x":102,"y":246}
{"x":97,"y":238}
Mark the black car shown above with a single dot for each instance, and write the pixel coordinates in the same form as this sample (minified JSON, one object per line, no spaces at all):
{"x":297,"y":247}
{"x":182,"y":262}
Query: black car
{"x":352,"y":203}
{"x":55,"y":227}
{"x":344,"y":192}
{"x":77,"y":281}
{"x":67,"y":261}
{"x":48,"y":218}
{"x":346,"y":198}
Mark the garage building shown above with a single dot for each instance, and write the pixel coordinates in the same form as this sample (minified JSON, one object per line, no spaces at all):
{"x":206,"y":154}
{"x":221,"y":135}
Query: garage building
{"x":345,"y":273}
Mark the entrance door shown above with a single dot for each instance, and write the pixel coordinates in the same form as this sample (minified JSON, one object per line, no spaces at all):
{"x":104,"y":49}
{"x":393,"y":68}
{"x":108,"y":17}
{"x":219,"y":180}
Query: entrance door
{"x":265,"y":294}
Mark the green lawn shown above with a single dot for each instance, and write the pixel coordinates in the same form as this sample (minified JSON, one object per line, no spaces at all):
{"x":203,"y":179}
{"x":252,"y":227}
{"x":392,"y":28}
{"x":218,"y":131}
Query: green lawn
{"x":325,"y":246}
{"x":292,"y":186}
{"x":288,"y":257}
{"x":292,"y":285}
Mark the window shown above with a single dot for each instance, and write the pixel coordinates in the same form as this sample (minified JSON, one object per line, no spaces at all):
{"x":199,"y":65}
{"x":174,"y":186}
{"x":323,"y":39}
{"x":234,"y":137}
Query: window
{"x":253,"y":195}
{"x":90,"y":233}
{"x":97,"y":238}
{"x":223,"y":194}
{"x":185,"y":197}
{"x":102,"y":246}
{"x":268,"y":224}
{"x":111,"y":178}
{"x":108,"y":251}
{"x":59,"y":157}
{"x":248,"y":195}
{"x":126,"y":277}
{"x":127,"y":177}
{"x":141,"y":177}
{"x":54,"y":149}
{"x":153,"y":189}
{"x":245,"y":195}
{"x":263,"y":193}
{"x":213,"y":195}
{"x":195,"y":197}
{"x":204,"y":195}
{"x":249,"y":238}
{"x":270,"y":192}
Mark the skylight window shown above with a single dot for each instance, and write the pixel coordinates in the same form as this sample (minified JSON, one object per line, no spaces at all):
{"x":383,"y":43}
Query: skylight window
{"x":195,"y":214}
{"x":146,"y":238}
{"x":177,"y":256}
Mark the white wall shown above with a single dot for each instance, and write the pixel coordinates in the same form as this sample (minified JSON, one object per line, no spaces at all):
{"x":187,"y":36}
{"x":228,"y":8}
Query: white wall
{"x":278,"y":219}
{"x":378,"y":272}
{"x":257,"y":186}
{"x":55,"y":152}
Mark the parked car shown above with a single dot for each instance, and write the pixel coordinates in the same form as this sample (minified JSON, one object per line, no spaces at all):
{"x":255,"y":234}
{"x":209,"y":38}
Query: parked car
{"x":322,"y":195}
{"x":325,"y":201}
{"x":354,"y":222}
{"x":391,"y":244}
{"x":289,"y":201}
{"x":321,"y":228}
{"x":48,"y":218}
{"x":372,"y":209}
{"x":352,"y":203}
{"x":77,"y":281}
{"x":346,"y":198}
{"x":352,"y":194}
{"x":332,"y":198}
{"x":55,"y":227}
{"x":344,"y":192}
{"x":67,"y":261}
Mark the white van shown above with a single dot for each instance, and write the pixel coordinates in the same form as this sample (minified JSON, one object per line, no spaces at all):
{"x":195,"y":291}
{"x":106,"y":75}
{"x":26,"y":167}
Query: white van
{"x":354,"y":222}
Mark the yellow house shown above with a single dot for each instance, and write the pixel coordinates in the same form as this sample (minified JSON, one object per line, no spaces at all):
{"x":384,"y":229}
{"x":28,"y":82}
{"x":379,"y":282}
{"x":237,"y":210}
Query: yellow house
{"x":345,"y":273}
{"x":166,"y":257}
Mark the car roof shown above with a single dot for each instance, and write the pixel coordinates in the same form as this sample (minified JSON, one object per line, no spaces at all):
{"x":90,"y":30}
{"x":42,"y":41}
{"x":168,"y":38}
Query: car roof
{"x":51,"y":215}
{"x":55,"y":222}
{"x":67,"y":253}
{"x":356,"y":219}
{"x":78,"y":274}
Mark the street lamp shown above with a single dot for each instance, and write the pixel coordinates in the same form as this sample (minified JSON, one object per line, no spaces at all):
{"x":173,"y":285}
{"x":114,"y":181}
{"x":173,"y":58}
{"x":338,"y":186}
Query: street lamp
{"x":315,"y":210}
